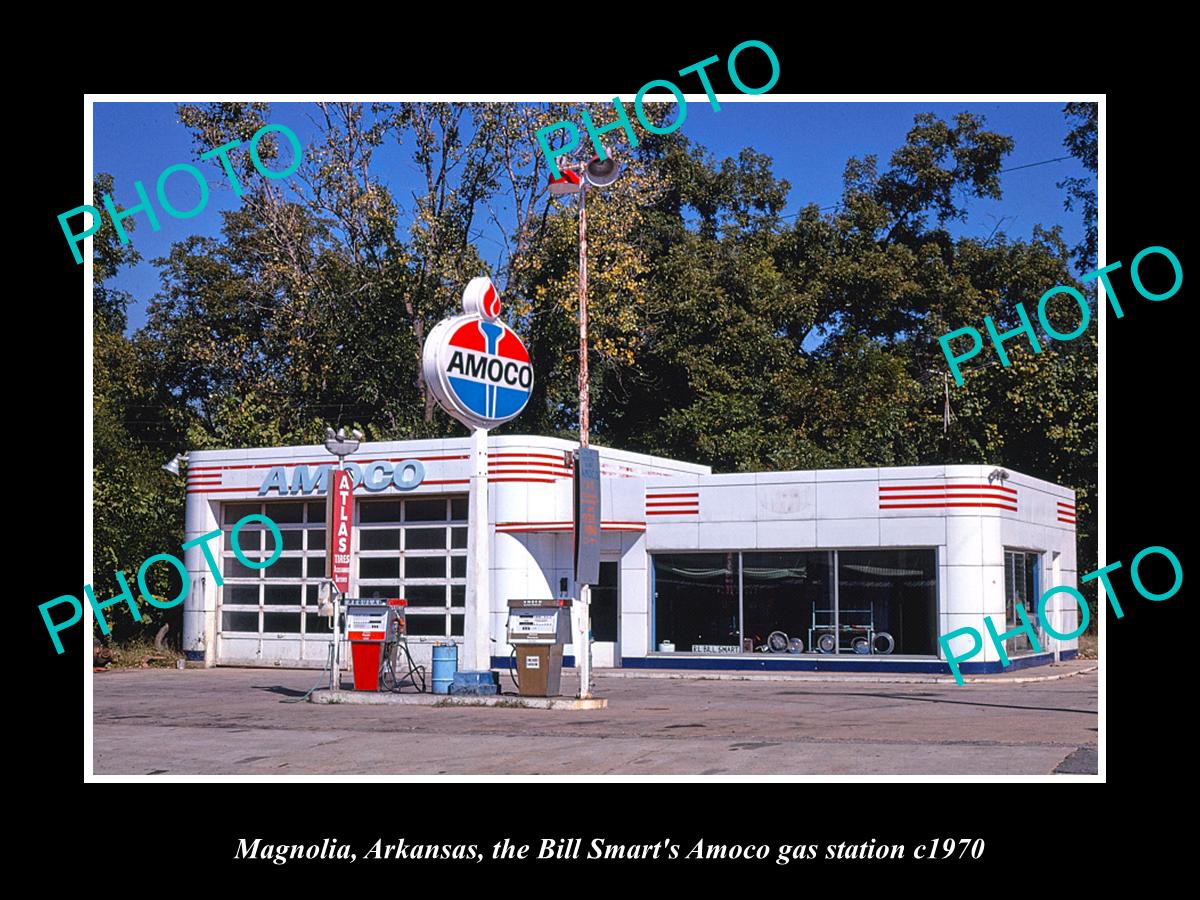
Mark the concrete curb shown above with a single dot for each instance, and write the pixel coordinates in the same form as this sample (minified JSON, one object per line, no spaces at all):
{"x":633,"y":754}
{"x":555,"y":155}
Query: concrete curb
{"x":847,"y":678}
{"x":502,"y":700}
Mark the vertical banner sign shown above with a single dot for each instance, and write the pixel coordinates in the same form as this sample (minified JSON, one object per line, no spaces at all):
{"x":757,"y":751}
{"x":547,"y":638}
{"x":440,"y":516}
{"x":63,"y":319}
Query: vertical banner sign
{"x":587,"y":516}
{"x":339,"y":516}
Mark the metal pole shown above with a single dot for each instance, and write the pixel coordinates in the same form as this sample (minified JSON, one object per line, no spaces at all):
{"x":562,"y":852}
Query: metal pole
{"x":476,"y":649}
{"x":583,"y":340}
{"x":583,"y":647}
{"x":837,"y":607}
{"x":335,"y":673}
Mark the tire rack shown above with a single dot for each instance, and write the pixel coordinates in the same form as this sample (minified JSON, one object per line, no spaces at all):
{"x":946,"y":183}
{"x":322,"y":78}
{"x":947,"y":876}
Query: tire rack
{"x":854,"y":630}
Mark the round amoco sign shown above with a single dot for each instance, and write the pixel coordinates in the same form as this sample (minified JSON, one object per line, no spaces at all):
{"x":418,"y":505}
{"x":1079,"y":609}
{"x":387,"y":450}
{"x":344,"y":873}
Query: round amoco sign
{"x":477,"y":367}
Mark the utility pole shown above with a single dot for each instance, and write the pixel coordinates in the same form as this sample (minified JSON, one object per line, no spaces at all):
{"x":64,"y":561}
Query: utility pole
{"x":584,"y":646}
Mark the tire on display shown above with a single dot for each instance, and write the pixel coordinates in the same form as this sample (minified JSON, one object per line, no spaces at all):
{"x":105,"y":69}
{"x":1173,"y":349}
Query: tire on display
{"x":884,"y":643}
{"x":827,"y":643}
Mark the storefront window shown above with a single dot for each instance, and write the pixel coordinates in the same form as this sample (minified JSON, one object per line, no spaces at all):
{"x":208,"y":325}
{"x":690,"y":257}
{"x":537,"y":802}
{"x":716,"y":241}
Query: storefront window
{"x":786,"y":602}
{"x":887,"y":601}
{"x":696,"y":603}
{"x":780,"y":593}
{"x":1020,"y":589}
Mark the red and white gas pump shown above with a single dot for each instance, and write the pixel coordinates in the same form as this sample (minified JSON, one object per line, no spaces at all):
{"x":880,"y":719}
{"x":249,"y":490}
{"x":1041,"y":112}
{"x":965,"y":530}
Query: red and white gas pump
{"x":370,"y":625}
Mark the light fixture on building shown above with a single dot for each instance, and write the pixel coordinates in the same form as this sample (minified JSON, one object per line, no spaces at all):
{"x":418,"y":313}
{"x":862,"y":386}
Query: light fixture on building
{"x":997,"y":475}
{"x":173,"y":465}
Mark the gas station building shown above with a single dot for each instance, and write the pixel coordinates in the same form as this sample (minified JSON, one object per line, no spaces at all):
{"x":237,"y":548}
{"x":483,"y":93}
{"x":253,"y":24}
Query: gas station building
{"x":856,"y":569}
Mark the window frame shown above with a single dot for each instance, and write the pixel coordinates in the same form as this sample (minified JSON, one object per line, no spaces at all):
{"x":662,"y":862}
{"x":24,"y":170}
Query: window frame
{"x":833,"y":562}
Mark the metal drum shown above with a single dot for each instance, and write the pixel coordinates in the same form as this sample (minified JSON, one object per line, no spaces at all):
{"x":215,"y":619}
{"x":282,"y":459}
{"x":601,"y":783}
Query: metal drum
{"x":445,"y":664}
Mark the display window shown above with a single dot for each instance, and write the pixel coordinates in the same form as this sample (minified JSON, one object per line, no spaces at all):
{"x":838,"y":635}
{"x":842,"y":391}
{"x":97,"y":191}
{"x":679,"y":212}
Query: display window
{"x":882,"y":602}
{"x":696,"y":602}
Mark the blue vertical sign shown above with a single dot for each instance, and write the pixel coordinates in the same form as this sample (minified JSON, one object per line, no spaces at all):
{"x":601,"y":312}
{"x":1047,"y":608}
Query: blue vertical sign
{"x":587,"y":516}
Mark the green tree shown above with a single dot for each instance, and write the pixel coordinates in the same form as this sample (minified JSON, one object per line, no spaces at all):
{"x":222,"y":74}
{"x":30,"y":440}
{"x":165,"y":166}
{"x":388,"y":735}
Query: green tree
{"x":137,"y":509}
{"x":1082,"y":142}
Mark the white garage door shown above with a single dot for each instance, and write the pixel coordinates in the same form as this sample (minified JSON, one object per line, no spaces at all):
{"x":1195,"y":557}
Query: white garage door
{"x":269,"y":616}
{"x":414,"y":548}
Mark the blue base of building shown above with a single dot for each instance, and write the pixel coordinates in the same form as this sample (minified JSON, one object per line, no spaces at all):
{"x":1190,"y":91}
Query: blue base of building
{"x":831,"y":664}
{"x":817,"y":664}
{"x":194,"y":655}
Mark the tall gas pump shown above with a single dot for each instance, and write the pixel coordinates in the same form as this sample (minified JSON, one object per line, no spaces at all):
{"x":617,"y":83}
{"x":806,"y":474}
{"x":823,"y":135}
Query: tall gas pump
{"x":376,"y":631}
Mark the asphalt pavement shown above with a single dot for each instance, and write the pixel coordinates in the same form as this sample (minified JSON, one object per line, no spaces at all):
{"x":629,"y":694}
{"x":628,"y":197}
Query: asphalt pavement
{"x":235,"y":722}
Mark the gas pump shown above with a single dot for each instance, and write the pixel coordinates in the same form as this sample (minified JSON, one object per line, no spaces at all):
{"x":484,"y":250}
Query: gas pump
{"x":376,"y":630}
{"x":538,"y":629}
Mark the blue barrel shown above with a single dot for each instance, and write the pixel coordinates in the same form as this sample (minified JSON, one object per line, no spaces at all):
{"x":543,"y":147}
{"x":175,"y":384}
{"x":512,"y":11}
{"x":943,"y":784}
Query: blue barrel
{"x":445,"y":664}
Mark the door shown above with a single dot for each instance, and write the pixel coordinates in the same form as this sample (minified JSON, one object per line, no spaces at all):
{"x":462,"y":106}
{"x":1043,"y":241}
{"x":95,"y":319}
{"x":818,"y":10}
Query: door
{"x":605,"y":616}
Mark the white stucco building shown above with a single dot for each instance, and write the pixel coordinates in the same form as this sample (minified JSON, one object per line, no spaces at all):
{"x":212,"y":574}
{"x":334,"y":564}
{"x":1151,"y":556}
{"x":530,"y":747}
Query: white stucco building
{"x":698,"y":570}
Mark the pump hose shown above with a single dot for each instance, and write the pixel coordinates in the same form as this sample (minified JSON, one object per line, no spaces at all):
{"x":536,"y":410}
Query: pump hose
{"x":414,"y":671}
{"x":316,"y":686}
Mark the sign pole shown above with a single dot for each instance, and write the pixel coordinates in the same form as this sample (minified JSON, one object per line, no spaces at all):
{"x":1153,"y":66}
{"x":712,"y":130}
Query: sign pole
{"x":583,"y":646}
{"x":479,"y":371}
{"x":477,"y":627}
{"x":335,"y":674}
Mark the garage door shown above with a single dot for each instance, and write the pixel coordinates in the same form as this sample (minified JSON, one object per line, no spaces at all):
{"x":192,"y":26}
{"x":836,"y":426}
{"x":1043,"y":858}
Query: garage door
{"x":269,"y":616}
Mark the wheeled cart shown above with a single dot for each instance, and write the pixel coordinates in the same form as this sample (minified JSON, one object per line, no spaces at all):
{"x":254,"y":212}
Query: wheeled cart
{"x":857,"y":636}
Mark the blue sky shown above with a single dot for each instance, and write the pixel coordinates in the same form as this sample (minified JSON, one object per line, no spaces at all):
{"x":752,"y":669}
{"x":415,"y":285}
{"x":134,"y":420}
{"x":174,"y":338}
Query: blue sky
{"x":809,"y":142}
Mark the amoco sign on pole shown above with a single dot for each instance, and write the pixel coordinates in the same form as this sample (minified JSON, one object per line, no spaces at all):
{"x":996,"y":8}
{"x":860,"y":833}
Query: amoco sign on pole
{"x":478,"y":370}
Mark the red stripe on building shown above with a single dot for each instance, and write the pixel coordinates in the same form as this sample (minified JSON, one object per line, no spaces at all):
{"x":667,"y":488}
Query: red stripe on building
{"x":944,"y":505}
{"x":650,"y":496}
{"x":948,"y":487}
{"x":893,"y":497}
{"x":567,"y":526}
{"x":672,"y":512}
{"x":322,"y":462}
{"x":523,"y":472}
{"x":558,"y":458}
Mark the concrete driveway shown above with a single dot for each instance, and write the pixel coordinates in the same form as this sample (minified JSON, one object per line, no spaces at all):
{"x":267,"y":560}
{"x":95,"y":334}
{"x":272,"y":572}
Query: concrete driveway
{"x":234,"y":721}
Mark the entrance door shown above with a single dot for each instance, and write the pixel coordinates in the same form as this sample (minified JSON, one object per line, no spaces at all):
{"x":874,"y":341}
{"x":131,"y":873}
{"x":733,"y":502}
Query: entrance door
{"x":605,"y":615}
